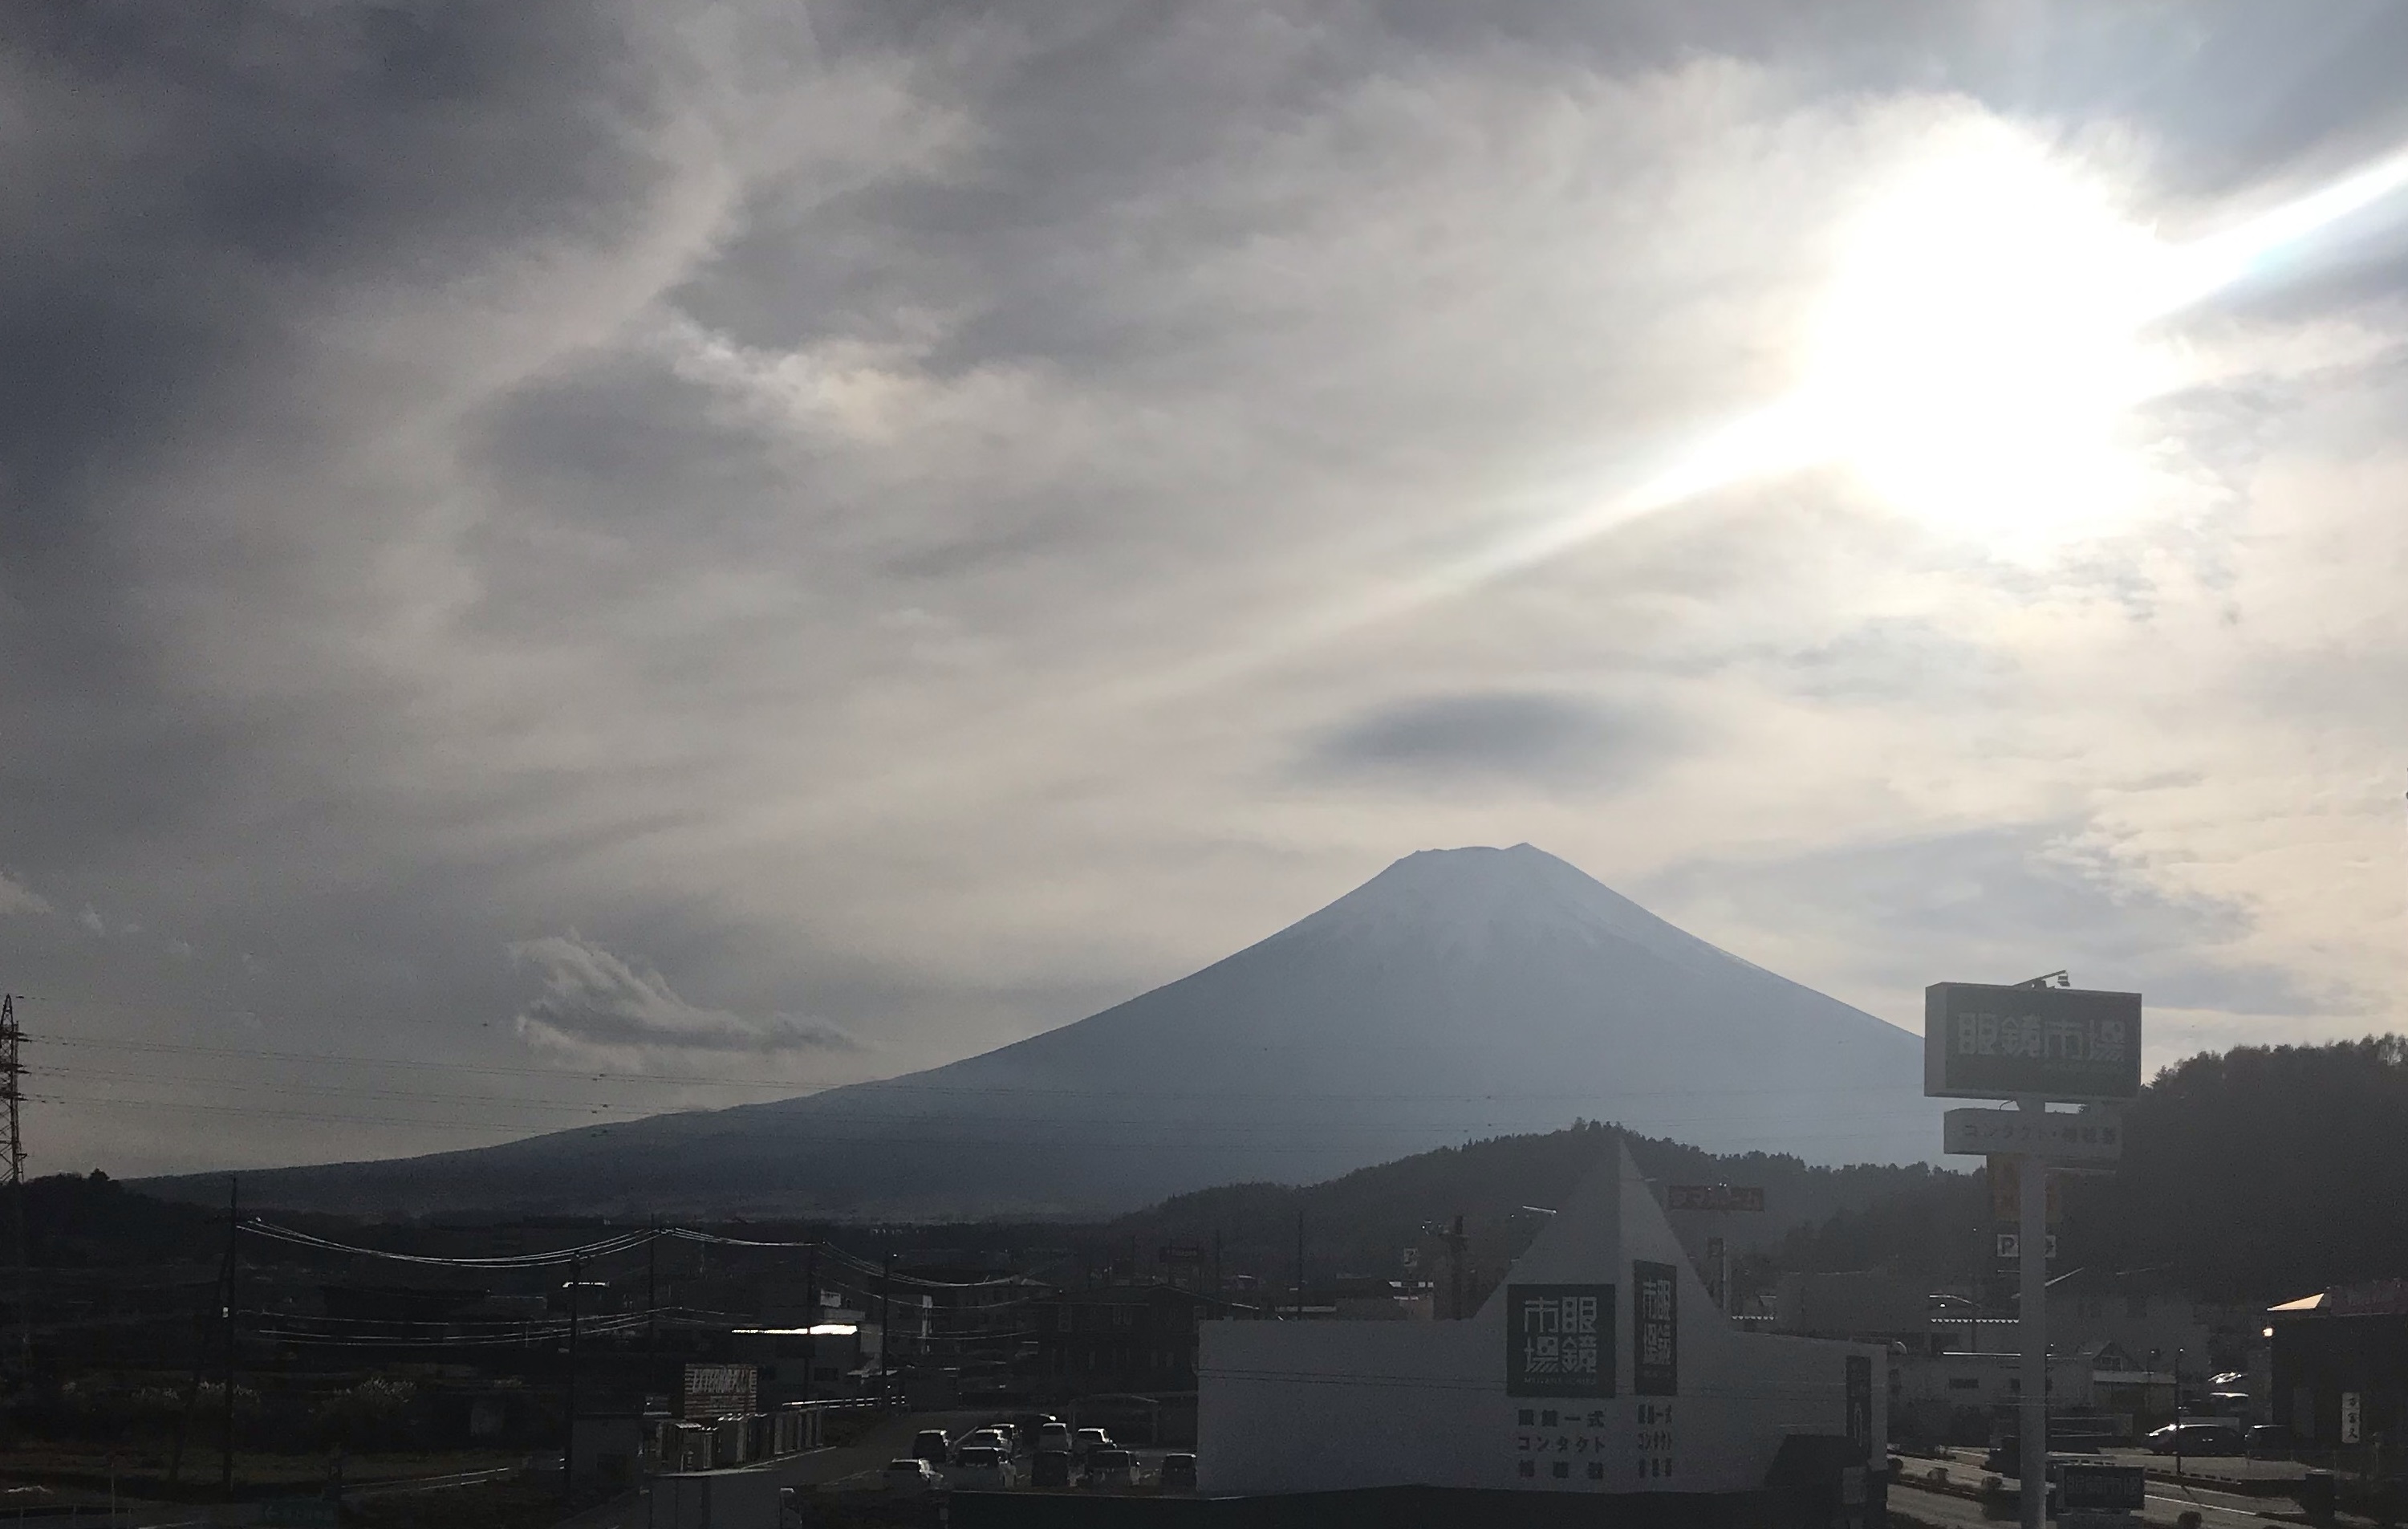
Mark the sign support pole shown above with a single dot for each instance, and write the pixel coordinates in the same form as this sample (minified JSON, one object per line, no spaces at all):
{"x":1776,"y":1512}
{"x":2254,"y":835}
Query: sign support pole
{"x":1730,"y":1297}
{"x":2033,"y":1464}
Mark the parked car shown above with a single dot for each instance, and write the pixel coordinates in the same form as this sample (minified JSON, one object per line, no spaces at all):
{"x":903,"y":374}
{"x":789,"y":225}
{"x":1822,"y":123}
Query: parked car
{"x":2196,"y":1438}
{"x":1023,"y":1426}
{"x":1178,"y":1472}
{"x":981,"y":1439}
{"x":2266,"y":1441}
{"x":1050,"y":1468}
{"x":1086,"y":1441}
{"x":1054,"y":1435}
{"x":1108,"y":1469}
{"x":911,"y":1475}
{"x":982,"y":1465}
{"x":929,"y":1444}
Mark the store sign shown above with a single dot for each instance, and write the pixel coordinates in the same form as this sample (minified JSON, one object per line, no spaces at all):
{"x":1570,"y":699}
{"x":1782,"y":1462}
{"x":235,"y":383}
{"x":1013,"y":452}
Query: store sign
{"x":1559,"y":1340}
{"x":719,"y":1391}
{"x":1654,"y":1330}
{"x":2006,"y":1175}
{"x":1860,"y":1403}
{"x":2353,"y":1412}
{"x":1713,"y":1197}
{"x":2089,"y":1486}
{"x":1985,"y":1042}
{"x":2011,"y":1247}
{"x":2092,"y":1137}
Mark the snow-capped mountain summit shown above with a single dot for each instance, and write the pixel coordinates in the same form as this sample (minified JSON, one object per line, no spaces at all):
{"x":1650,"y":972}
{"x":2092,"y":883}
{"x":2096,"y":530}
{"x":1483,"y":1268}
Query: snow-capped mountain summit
{"x":1468,"y":899}
{"x":1459,"y":994}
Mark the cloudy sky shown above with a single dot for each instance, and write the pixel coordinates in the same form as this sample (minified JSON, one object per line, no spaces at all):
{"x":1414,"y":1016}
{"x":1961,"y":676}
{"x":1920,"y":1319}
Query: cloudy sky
{"x":730,"y":547}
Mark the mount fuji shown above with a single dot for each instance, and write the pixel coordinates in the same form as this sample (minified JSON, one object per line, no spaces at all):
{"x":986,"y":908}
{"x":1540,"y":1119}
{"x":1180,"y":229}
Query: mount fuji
{"x":1460,"y":993}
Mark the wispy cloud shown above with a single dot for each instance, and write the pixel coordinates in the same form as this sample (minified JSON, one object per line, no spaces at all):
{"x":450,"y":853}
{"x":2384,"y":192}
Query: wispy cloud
{"x":598,"y":1006}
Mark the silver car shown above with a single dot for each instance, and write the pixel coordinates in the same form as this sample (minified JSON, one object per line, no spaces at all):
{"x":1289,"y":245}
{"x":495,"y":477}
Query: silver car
{"x":983,"y":1466}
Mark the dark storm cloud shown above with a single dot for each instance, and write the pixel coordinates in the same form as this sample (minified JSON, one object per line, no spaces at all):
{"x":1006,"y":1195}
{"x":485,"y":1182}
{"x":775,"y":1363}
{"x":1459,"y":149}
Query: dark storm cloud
{"x":1527,"y":736}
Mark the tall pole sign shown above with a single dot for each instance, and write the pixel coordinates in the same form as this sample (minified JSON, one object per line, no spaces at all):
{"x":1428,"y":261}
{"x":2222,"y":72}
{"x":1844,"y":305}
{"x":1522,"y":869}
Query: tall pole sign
{"x":1720,"y":1199}
{"x":2033,"y":1044}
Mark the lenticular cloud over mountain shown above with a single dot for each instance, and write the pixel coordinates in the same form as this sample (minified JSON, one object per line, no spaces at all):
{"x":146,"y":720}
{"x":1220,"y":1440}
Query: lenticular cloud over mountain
{"x":1460,"y":993}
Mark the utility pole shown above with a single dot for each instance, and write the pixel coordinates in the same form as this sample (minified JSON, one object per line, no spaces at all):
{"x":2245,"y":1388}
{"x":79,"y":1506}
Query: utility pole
{"x":810,"y":1313}
{"x":225,"y":1421}
{"x":653,"y":1299}
{"x":886,"y":1325}
{"x":12,"y":1074}
{"x":2032,"y":1250}
{"x":1457,"y":1244}
{"x":568,"y":1411}
{"x":2178,"y":1437}
{"x":1299,"y":1265}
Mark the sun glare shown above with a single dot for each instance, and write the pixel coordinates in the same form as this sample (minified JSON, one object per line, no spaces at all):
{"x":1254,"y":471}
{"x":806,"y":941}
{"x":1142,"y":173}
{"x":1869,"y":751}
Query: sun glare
{"x":1978,"y":356}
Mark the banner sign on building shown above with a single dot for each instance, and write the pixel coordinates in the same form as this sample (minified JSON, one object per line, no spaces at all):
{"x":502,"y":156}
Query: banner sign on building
{"x":2010,"y":1245}
{"x":1985,"y":1042}
{"x":1860,"y":1403}
{"x":1713,"y":1197}
{"x":2006,"y":1175}
{"x":1559,"y":1340}
{"x":1654,"y":1330}
{"x":719,"y":1391}
{"x":2097,"y":1486}
{"x":2092,"y":1137}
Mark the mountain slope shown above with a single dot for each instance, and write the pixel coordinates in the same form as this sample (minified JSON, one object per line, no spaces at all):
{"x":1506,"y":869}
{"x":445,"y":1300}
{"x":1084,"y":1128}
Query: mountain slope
{"x":1459,"y":994}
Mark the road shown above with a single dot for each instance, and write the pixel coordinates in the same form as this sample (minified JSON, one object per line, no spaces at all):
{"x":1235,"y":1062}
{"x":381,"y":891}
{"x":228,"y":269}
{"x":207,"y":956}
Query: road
{"x":2166,"y":1503}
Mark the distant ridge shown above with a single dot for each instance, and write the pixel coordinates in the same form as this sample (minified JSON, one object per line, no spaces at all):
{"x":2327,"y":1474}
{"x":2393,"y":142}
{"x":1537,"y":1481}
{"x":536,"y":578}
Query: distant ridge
{"x":1459,"y":994}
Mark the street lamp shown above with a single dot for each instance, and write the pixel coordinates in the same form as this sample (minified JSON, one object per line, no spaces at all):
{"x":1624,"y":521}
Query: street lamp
{"x":2178,"y":1432}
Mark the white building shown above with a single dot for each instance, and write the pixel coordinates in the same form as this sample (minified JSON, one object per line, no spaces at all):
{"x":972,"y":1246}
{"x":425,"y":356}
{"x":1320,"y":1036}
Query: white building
{"x":1930,"y":1388}
{"x":1600,"y":1367}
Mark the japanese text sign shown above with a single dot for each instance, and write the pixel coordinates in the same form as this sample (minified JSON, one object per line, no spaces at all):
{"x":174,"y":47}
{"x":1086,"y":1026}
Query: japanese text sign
{"x":719,"y":1391}
{"x":1559,"y":1340}
{"x":1860,"y":1403}
{"x":1654,"y":1330}
{"x":1713,"y":1197}
{"x":1983,"y":1042}
{"x":2090,"y":1137}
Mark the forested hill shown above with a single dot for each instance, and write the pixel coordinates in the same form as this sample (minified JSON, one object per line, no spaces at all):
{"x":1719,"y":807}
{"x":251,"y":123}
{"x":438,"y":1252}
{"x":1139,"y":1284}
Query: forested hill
{"x":1362,"y":1223}
{"x":2260,"y":1173}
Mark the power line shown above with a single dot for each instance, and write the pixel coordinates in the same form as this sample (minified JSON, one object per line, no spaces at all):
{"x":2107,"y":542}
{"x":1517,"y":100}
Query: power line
{"x":602,"y":1248}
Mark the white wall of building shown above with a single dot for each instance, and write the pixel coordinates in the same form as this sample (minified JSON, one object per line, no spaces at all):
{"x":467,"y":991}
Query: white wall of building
{"x":1986,"y":1380}
{"x":1317,"y":1407}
